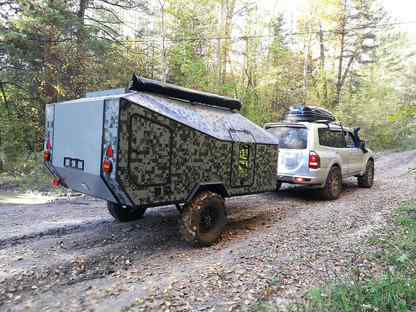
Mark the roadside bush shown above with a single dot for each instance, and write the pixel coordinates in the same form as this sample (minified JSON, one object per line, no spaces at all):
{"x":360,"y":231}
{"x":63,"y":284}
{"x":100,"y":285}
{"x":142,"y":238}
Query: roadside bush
{"x":27,"y":174}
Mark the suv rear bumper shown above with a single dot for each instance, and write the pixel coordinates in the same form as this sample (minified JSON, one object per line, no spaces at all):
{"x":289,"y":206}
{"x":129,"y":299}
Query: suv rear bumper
{"x":300,"y":180}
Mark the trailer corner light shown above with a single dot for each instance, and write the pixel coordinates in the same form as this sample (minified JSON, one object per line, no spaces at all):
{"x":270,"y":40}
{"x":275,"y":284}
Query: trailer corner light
{"x":56,"y":183}
{"x":47,"y":155}
{"x":110,"y":152}
{"x":107,"y":166}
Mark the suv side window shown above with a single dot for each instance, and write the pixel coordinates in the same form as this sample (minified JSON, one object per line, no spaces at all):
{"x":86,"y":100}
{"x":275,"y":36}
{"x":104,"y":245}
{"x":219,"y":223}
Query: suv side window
{"x":331,"y":138}
{"x":349,"y":138}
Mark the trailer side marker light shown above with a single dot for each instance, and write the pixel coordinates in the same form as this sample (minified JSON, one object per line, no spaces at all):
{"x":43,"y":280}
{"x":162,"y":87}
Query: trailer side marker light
{"x":110,"y":152}
{"x":107,"y":166}
{"x":56,"y":183}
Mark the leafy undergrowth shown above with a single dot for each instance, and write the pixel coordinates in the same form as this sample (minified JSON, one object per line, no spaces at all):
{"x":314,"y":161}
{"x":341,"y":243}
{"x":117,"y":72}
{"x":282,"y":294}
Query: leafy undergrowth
{"x":26,"y":175}
{"x":394,"y":290}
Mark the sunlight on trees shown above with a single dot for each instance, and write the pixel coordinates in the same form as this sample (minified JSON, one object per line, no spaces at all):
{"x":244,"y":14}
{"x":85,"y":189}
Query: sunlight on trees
{"x":345,"y":55}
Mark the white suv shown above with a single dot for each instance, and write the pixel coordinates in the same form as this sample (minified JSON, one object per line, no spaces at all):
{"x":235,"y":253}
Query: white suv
{"x":320,"y":155}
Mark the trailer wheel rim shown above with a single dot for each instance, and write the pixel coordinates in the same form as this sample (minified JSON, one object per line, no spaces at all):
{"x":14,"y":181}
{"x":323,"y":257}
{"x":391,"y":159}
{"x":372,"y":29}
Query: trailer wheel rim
{"x":208,"y":219}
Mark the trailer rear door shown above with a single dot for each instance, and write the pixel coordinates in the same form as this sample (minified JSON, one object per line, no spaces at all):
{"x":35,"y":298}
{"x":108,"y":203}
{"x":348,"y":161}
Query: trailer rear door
{"x":77,"y":146}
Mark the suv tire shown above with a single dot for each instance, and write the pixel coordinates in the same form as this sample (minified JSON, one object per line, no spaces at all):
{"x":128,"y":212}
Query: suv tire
{"x":203,"y":219}
{"x":125,"y":214}
{"x":333,"y":184}
{"x":367,"y":179}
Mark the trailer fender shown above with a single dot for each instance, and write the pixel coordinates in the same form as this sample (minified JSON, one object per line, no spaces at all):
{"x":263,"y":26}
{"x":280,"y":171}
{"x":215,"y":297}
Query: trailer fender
{"x":216,"y":187}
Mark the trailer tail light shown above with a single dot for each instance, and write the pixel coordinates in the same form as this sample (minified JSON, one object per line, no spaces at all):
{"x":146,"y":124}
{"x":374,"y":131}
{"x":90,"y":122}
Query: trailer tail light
{"x":56,"y":183}
{"x":48,"y":145}
{"x":110,"y":140}
{"x":314,"y":160}
{"x":47,"y":155}
{"x":107,"y":166}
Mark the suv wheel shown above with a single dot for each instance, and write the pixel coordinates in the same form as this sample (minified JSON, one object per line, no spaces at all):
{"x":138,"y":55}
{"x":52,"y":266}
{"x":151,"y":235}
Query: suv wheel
{"x":333,"y":184}
{"x":203,"y":219}
{"x":125,"y":214}
{"x":367,"y":179}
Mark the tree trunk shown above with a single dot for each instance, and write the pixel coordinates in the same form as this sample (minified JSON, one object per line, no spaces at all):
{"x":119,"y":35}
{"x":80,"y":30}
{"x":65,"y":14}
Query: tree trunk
{"x":229,"y":12}
{"x":322,"y":66}
{"x":80,"y":71}
{"x":341,"y":55}
{"x":163,"y":31}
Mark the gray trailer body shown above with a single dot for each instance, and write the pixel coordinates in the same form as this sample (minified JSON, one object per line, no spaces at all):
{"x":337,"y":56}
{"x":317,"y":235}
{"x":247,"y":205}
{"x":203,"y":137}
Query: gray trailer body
{"x":162,"y":150}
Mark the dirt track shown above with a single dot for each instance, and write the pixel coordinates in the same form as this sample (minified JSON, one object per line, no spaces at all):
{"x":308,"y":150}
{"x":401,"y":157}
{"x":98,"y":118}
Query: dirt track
{"x":71,"y":255}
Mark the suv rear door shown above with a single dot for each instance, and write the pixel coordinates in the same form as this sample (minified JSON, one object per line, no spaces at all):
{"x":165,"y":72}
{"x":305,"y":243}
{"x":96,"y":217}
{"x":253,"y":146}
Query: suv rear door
{"x":293,"y":149}
{"x":356,"y":154}
{"x":334,"y":140}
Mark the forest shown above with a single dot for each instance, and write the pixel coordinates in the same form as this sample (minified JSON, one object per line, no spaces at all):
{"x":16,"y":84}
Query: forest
{"x":348,"y":56}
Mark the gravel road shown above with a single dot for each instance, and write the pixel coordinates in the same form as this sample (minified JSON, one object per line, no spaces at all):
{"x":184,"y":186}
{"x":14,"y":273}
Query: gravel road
{"x":71,"y":256}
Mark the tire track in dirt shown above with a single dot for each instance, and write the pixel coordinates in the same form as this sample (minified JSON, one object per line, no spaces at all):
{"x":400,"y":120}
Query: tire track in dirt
{"x":275,"y":245}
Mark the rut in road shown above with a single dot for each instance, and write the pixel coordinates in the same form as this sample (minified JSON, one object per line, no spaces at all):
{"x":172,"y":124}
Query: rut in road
{"x":275,"y":247}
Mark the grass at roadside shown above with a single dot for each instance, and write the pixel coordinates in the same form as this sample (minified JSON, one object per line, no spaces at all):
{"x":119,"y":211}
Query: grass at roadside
{"x":393,"y":290}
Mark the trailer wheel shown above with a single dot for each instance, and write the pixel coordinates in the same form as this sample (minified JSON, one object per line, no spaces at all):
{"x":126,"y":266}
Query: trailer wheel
{"x":125,"y":214}
{"x":203,"y":219}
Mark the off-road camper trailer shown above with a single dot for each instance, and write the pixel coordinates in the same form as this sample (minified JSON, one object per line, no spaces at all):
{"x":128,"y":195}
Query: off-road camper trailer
{"x":160,"y":144}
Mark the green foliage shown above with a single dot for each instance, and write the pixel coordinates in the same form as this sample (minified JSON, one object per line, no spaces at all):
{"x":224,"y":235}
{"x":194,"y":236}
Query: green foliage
{"x":393,"y":291}
{"x":26,"y":174}
{"x":56,"y":50}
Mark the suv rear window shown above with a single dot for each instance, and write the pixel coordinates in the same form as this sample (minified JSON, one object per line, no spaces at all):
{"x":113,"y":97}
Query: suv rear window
{"x":291,"y":137}
{"x":331,"y":138}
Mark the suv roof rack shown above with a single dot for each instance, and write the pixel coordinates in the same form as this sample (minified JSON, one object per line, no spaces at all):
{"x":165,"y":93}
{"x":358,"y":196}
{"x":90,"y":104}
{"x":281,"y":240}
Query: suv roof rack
{"x":309,"y":114}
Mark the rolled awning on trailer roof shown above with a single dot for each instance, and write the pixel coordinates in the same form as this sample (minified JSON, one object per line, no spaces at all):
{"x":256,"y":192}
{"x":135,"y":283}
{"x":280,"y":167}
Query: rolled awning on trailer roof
{"x":165,"y":89}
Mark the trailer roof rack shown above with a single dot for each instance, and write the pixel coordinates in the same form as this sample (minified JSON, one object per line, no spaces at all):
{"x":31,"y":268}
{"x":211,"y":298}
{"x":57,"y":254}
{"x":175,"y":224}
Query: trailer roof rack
{"x":147,"y":85}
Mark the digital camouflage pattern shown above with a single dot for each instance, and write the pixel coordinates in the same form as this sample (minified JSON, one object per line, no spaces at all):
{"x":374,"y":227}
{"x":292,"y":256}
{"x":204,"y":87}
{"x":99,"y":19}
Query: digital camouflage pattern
{"x":166,"y":147}
{"x":110,"y":138}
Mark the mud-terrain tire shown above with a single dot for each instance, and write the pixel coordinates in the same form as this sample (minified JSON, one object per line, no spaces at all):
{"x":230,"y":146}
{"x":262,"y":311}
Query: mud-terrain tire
{"x":125,"y":214}
{"x":333,"y":184}
{"x":278,"y":186}
{"x":367,"y":179}
{"x":203,"y":219}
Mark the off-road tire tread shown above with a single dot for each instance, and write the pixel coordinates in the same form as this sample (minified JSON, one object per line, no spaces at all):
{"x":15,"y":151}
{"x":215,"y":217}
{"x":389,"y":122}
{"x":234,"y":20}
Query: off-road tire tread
{"x":326,"y":192}
{"x":363,"y":181}
{"x":189,"y":225}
